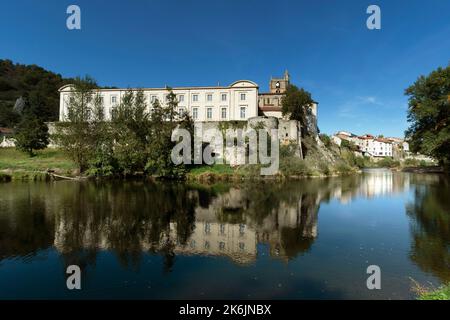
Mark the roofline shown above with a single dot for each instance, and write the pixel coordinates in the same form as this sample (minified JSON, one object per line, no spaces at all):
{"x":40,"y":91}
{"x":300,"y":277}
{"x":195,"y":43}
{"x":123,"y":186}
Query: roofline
{"x":175,"y":88}
{"x":244,"y":80}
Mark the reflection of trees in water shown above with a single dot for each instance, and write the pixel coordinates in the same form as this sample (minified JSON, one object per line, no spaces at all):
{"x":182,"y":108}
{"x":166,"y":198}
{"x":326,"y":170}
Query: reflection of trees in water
{"x":125,"y":218}
{"x":26,"y":232}
{"x":430,"y":228}
{"x":29,"y":229}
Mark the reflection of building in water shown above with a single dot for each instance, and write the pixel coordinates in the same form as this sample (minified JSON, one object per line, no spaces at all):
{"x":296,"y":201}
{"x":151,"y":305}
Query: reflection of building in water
{"x":289,"y":230}
{"x":236,"y":241}
{"x":226,"y":227}
{"x":378,"y":182}
{"x":383,"y":182}
{"x":374,"y":182}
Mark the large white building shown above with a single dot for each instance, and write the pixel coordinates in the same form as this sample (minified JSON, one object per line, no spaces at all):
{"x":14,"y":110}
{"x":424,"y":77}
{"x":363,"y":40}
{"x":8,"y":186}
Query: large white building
{"x":238,"y":101}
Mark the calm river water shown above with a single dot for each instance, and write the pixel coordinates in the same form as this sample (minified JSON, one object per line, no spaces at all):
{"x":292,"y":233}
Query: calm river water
{"x":309,"y":239}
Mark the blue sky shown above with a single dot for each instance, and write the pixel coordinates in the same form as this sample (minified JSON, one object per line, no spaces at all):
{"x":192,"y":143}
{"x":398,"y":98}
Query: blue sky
{"x":357,"y":75}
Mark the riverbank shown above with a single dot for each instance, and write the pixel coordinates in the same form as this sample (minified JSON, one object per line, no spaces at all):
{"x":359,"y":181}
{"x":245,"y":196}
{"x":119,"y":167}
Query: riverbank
{"x":16,"y":165}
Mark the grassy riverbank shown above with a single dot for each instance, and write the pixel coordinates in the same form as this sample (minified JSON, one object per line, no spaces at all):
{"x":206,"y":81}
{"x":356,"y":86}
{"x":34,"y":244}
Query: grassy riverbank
{"x":16,"y":165}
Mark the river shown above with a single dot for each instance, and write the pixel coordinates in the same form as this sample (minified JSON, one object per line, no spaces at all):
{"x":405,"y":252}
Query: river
{"x":305,"y":239}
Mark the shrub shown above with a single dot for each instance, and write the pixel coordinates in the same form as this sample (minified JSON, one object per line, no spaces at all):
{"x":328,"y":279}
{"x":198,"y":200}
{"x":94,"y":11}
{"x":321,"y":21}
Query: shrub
{"x":410,"y":162}
{"x":349,"y":145}
{"x":325,"y":168}
{"x":388,"y":163}
{"x":287,"y":151}
{"x":344,"y":168}
{"x":295,"y":167}
{"x":325,"y":139}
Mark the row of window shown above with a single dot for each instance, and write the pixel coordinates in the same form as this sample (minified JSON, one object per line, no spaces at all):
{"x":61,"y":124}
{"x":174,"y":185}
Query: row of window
{"x":180,"y":97}
{"x":207,"y":245}
{"x":222,"y":228}
{"x":209,"y":112}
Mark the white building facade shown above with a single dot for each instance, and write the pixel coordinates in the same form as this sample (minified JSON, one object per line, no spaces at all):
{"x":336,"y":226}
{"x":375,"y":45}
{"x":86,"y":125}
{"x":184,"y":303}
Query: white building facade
{"x":236,"y":102}
{"x":376,"y":147}
{"x":367,"y":144}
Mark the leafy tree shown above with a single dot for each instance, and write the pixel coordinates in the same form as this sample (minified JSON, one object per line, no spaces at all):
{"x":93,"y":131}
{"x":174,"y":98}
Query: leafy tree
{"x":429,"y":115}
{"x":102,"y":161}
{"x":8,"y":118}
{"x":296,"y":104}
{"x":130,"y":127}
{"x":172,"y":105}
{"x":75,"y":135}
{"x":164,"y":120}
{"x":31,"y":134}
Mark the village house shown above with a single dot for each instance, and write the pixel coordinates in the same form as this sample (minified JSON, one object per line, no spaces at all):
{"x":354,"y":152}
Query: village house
{"x":367,"y":145}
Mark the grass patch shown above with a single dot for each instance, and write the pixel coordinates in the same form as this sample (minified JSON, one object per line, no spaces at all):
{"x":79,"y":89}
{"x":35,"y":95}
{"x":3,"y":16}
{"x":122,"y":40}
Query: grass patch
{"x":224,"y":172}
{"x":424,"y":293}
{"x":216,"y":168}
{"x":14,"y":160}
{"x":210,"y":174}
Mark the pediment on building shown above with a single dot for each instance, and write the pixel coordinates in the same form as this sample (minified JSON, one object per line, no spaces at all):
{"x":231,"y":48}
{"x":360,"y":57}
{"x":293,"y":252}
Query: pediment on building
{"x":243,"y":84}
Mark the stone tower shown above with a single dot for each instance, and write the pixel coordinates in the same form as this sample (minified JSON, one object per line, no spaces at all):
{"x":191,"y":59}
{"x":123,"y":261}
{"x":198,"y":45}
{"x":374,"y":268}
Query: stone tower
{"x":279,"y":85}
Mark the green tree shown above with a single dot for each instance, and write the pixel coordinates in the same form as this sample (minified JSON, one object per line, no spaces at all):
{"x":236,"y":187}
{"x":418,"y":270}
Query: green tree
{"x":429,"y":115}
{"x":75,"y":135}
{"x":297,"y":105}
{"x":172,"y":105}
{"x":8,"y":118}
{"x":130,"y":127}
{"x":165,"y":119}
{"x":31,"y":134}
{"x":102,"y":161}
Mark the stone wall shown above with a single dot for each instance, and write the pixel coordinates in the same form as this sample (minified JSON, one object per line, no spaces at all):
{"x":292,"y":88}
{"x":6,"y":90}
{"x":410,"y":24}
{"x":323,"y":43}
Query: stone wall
{"x":288,"y":132}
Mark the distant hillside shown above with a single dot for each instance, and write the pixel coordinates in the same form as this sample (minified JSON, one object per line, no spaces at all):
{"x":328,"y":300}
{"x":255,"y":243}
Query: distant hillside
{"x":36,"y":85}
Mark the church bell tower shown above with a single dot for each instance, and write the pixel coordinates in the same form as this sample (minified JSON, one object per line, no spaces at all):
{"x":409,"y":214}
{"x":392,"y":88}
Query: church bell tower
{"x":279,"y":85}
